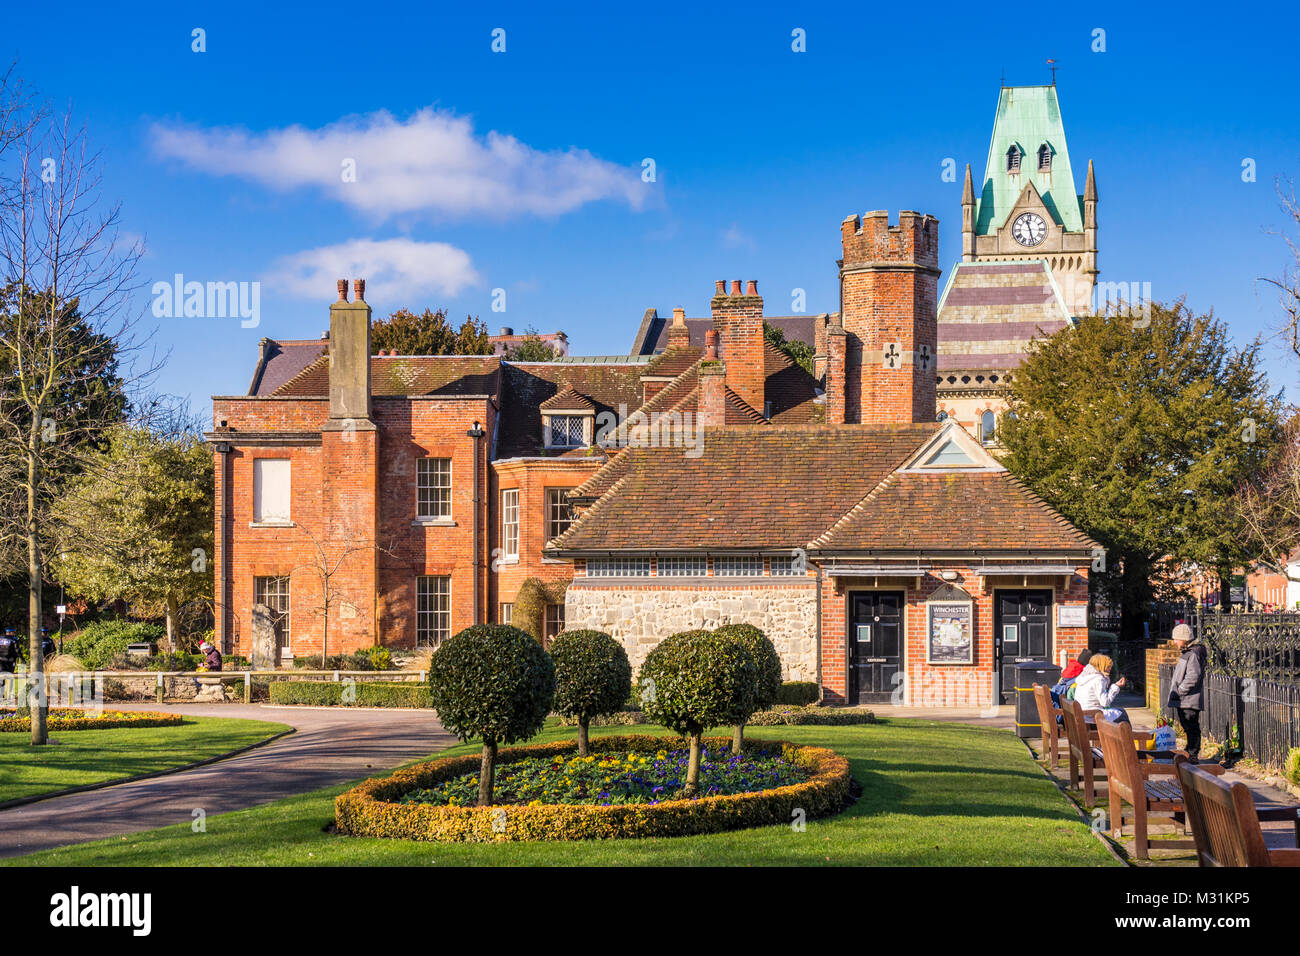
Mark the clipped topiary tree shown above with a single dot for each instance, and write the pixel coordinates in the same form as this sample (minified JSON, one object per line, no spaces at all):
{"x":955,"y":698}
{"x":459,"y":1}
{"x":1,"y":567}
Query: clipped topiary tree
{"x":694,"y":680}
{"x":495,"y":682}
{"x":592,"y":677}
{"x":767,"y":675}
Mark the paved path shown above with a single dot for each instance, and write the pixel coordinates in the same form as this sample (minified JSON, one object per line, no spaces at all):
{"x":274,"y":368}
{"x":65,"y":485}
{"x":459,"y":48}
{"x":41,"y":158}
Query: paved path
{"x":330,"y":746}
{"x":1276,"y":834}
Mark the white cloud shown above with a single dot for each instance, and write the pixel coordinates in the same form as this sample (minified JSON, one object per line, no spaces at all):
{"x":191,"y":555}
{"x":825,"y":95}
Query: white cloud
{"x":432,"y":162}
{"x":394,"y":269}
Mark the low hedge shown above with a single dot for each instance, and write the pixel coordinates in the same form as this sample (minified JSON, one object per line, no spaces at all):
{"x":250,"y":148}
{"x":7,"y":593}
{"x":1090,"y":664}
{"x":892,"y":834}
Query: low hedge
{"x":811,"y":716}
{"x":370,"y":808}
{"x":789,"y":716}
{"x":368,"y":694}
{"x":796,"y":693}
{"x":76,"y":720}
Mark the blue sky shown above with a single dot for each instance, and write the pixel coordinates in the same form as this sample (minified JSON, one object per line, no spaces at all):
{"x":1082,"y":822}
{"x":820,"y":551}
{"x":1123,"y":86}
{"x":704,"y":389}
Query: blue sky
{"x":522,"y":170}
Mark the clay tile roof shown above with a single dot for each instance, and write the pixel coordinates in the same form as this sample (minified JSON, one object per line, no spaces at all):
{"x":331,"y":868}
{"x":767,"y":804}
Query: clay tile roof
{"x":653,"y":335}
{"x":789,"y":390}
{"x":985,"y":511}
{"x":737,"y":410}
{"x":672,"y":362}
{"x":747,"y":488}
{"x":393,"y":375}
{"x":566,"y":399}
{"x":610,"y":387}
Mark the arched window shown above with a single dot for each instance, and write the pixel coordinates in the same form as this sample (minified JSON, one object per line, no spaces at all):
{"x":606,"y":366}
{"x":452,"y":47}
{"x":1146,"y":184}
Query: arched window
{"x":987,"y":423}
{"x":1044,"y":157}
{"x":1013,"y":159}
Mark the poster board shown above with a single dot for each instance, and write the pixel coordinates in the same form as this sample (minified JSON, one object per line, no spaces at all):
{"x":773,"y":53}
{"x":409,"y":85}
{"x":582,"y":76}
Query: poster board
{"x":950,"y":632}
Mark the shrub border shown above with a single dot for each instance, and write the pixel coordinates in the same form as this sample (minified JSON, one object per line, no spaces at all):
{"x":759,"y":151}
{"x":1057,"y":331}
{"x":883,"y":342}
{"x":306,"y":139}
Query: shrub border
{"x":369,"y":808}
{"x":56,"y":721}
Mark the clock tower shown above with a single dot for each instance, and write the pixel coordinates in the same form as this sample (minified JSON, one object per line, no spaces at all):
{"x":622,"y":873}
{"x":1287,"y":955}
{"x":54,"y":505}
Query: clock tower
{"x":1027,"y":208}
{"x":1029,"y":259}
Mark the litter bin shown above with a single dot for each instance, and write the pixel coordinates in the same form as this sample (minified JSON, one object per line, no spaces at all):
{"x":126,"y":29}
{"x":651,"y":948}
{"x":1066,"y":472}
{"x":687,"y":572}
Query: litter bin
{"x":1029,"y":673}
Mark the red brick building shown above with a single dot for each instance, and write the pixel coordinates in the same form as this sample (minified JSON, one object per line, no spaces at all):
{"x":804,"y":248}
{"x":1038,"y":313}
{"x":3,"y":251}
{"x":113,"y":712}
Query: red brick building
{"x":885,"y":553}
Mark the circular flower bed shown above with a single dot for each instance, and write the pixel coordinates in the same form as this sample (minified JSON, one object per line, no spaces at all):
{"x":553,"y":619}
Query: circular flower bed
{"x":610,"y":778}
{"x":11,"y":722}
{"x":796,"y":778}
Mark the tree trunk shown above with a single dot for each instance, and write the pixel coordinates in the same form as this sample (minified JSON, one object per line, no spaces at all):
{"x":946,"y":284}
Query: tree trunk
{"x":171,"y":622}
{"x":693,"y":768}
{"x":485,"y":772}
{"x":1225,"y":589}
{"x":582,"y":736}
{"x":36,"y":672}
{"x":738,"y":739}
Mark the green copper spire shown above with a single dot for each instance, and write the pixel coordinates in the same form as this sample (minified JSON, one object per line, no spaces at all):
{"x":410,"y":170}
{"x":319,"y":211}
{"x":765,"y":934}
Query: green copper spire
{"x":1028,"y":118}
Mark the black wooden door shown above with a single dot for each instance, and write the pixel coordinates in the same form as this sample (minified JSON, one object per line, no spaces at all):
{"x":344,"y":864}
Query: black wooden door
{"x":875,"y":645}
{"x":1022,"y":632}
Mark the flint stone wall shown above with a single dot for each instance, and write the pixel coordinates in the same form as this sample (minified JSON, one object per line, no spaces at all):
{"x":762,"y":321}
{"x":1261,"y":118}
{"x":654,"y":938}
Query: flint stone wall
{"x":640,"y":617}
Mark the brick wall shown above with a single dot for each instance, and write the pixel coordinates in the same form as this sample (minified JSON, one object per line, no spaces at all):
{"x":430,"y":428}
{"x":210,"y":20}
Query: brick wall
{"x":533,"y":478}
{"x":946,"y":685}
{"x":1166,"y":653}
{"x":353,"y":491}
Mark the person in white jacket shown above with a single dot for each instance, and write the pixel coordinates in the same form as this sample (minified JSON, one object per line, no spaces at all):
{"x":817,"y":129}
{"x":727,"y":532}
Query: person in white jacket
{"x":1094,"y":690}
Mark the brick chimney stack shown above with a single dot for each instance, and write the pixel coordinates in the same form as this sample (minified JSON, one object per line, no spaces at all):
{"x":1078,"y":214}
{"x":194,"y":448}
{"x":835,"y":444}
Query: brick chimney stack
{"x":889,"y":312}
{"x":350,"y":354}
{"x":712,"y":409}
{"x":679,"y":336}
{"x":738,"y":319}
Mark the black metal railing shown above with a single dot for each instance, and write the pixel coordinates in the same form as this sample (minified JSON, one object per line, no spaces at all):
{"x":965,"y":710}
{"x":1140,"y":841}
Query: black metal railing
{"x":1253,"y":718}
{"x":1260,"y":646}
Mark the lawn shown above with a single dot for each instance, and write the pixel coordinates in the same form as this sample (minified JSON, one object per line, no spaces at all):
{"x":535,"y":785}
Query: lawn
{"x":933,"y":794}
{"x":75,"y":758}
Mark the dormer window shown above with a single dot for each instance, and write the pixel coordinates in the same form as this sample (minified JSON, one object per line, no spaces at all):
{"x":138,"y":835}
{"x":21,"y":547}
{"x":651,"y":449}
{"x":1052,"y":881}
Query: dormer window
{"x":567,"y":431}
{"x":1013,"y":159}
{"x":568,"y":420}
{"x":1044,"y":158}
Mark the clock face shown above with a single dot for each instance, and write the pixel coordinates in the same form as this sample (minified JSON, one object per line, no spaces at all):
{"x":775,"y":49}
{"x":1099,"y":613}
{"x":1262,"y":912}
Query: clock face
{"x":1029,"y":229}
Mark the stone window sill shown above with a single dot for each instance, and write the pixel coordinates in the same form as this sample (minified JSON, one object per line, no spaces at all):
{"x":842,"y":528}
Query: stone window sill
{"x":513,"y":559}
{"x":433,"y":523}
{"x":272,"y":524}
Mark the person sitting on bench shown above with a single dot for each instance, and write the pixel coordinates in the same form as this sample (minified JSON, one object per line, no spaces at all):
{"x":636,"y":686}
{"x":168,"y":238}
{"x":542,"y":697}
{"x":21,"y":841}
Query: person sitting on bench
{"x":1069,"y":676}
{"x":1094,"y":691}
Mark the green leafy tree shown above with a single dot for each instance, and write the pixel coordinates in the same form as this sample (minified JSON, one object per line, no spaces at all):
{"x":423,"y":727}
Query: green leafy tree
{"x":694,"y":680}
{"x":767,"y":675}
{"x":592,"y":678}
{"x":800,"y":353}
{"x":1139,"y":429}
{"x":429,"y":333}
{"x":531,"y":349}
{"x":495,"y":682}
{"x":137,"y":524}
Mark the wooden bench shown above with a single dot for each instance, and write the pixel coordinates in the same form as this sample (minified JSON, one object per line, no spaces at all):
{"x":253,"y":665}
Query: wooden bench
{"x":1086,"y":758}
{"x":1085,"y":754}
{"x":1047,"y":718}
{"x":1149,"y":786}
{"x":1225,"y":822}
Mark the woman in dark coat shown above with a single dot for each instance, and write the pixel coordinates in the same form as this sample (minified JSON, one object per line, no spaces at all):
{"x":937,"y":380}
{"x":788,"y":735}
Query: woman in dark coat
{"x":212,"y":656}
{"x":1187,"y":686}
